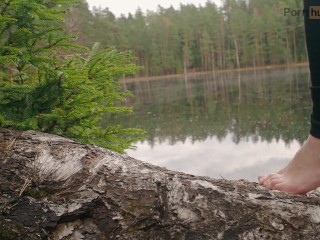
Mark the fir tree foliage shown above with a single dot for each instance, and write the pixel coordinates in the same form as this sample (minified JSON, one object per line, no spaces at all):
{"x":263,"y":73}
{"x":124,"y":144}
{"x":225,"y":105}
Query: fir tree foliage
{"x":44,"y":86}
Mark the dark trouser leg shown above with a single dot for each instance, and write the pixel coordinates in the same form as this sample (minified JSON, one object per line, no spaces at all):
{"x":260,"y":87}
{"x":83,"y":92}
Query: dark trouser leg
{"x":312,"y":31}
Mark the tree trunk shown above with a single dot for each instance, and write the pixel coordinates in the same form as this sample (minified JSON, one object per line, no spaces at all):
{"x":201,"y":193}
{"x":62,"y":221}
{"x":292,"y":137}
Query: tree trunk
{"x":55,"y":188}
{"x":237,"y":51}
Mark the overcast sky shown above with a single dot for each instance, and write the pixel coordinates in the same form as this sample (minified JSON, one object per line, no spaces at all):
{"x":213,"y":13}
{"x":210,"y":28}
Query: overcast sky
{"x":125,"y":6}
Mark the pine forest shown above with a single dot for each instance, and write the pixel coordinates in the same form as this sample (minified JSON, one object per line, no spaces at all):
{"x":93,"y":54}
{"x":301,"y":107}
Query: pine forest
{"x":238,"y":34}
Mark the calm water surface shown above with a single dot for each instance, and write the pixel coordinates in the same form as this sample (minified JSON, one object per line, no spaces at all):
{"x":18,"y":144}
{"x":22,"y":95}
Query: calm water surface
{"x":231,"y":125}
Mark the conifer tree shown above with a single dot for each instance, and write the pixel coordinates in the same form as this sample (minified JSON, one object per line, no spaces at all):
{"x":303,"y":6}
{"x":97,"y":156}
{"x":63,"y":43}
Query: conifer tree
{"x":46,"y":87}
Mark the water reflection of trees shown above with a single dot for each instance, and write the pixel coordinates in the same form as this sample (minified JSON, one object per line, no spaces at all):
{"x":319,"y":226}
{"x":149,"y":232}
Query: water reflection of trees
{"x":265,"y":105}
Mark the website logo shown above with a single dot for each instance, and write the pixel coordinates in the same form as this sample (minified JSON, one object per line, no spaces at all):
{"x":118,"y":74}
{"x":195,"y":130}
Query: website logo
{"x":314,"y":12}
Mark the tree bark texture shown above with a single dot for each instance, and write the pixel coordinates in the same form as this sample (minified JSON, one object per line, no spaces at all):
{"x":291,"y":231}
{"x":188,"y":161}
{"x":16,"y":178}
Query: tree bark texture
{"x":54,"y":188}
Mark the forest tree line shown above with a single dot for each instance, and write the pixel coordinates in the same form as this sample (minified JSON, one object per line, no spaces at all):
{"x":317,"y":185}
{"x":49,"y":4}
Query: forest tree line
{"x":240,"y":33}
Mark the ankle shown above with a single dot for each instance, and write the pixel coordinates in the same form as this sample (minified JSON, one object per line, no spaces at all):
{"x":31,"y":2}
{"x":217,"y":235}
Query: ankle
{"x":313,"y":141}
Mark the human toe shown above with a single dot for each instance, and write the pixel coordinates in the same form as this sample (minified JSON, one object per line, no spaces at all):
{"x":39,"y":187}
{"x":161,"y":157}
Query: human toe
{"x":265,"y":179}
{"x":261,"y":179}
{"x":271,"y":180}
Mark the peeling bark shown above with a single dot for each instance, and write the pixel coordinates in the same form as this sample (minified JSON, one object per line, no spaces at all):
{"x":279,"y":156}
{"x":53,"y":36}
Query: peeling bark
{"x":55,"y":188}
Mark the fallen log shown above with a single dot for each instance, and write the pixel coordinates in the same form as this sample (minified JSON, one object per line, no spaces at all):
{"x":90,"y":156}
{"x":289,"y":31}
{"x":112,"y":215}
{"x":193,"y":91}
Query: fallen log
{"x":55,"y":188}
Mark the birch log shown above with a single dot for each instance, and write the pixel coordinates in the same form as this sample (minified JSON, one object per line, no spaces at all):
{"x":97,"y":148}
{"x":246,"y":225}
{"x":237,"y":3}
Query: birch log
{"x":54,"y":188}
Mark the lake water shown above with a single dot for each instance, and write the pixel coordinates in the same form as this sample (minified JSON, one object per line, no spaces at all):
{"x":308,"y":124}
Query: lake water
{"x":227,"y":125}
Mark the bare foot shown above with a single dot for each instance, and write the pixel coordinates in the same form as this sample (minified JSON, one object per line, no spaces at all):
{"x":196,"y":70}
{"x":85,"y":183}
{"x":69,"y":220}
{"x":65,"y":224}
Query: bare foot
{"x":302,"y":174}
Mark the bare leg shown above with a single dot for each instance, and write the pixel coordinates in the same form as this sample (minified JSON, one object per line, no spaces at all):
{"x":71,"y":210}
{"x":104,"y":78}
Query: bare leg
{"x":302,"y":174}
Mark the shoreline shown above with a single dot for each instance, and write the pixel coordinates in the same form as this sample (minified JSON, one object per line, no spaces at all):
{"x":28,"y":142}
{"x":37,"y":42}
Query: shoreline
{"x":194,"y":74}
